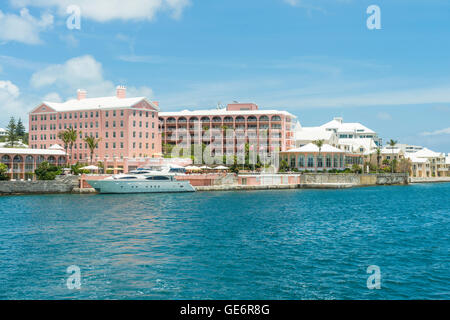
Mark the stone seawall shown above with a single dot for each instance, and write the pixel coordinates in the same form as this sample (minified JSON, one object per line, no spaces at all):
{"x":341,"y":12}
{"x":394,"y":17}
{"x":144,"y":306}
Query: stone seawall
{"x":59,"y":185}
{"x":354,"y":179}
{"x":429,"y":180}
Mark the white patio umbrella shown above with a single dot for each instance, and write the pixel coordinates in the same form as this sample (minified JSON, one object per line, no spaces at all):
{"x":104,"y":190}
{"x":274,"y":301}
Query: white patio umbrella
{"x":205,"y":168}
{"x":221,"y":168}
{"x":192,"y":168}
{"x":91,"y":167}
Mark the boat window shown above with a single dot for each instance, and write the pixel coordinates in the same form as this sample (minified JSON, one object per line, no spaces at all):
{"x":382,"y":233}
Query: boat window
{"x":158,"y":178}
{"x":121,"y":178}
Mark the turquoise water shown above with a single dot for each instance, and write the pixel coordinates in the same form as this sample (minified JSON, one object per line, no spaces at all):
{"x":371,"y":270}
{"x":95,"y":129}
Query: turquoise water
{"x":293,"y":244}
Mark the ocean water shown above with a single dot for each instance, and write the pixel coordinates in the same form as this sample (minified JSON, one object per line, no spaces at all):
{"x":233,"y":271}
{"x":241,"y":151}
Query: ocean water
{"x":289,"y":244}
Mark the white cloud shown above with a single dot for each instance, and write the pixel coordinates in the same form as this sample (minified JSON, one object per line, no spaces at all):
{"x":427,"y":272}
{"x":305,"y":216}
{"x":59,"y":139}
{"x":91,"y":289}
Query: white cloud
{"x":53,"y":97}
{"x":11,"y":103}
{"x":24,"y":27}
{"x":106,"y":10}
{"x":437,"y":132}
{"x":80,"y":72}
{"x":8,"y":90}
{"x":316,"y":5}
{"x":74,"y":73}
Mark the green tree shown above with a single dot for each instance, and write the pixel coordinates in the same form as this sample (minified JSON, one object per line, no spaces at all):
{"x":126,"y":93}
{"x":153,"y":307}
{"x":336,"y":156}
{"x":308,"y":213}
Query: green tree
{"x":73,"y":136}
{"x":11,"y":132}
{"x":46,"y":171}
{"x":319,"y":144}
{"x":64,"y":137}
{"x":20,"y":130}
{"x":378,"y":157}
{"x":3,"y":172}
{"x":283,"y":166}
{"x":92,"y":144}
{"x":392,"y":144}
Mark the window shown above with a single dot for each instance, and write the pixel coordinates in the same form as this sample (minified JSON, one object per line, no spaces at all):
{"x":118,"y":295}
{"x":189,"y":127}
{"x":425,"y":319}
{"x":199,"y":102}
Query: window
{"x":328,"y":163}
{"x":160,"y":178}
{"x":310,"y":161}
{"x":301,"y":161}
{"x":319,"y":162}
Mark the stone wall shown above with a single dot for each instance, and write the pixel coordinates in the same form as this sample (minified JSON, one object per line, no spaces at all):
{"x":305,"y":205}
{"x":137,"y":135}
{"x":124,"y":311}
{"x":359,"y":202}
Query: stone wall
{"x":355,"y":179}
{"x":59,"y":185}
{"x":392,"y":178}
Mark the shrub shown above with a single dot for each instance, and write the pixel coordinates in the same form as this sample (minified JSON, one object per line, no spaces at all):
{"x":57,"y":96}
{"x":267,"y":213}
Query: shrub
{"x":46,"y":171}
{"x":3,"y":172}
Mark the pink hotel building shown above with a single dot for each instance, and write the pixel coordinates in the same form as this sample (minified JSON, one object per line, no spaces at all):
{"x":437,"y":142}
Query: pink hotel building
{"x":132,"y":130}
{"x":128,"y":128}
{"x":244,"y":117}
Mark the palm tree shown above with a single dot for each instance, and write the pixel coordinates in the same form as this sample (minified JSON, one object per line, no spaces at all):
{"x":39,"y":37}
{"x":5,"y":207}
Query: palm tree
{"x":73,"y":135}
{"x":378,"y":157}
{"x":392,"y":144}
{"x":64,"y":136}
{"x":319,"y":144}
{"x":92,"y":145}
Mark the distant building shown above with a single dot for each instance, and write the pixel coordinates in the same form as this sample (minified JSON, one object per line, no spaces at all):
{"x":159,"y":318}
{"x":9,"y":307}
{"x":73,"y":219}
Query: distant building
{"x":3,"y":132}
{"x":245,"y":117}
{"x":408,"y":147}
{"x":128,"y":128}
{"x":353,"y":138}
{"x":427,"y":163}
{"x":22,"y":162}
{"x":310,"y":158}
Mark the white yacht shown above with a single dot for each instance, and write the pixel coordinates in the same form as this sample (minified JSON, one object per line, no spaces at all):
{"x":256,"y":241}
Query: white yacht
{"x":141,"y":181}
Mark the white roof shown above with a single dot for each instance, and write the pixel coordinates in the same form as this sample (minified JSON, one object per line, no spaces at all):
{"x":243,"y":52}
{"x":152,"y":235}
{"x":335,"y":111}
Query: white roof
{"x":56,"y":147}
{"x":2,"y":130}
{"x":313,"y":133}
{"x":223,"y":112}
{"x":343,"y":127}
{"x":368,"y":144}
{"x":311,"y":147}
{"x":427,"y":153}
{"x":96,"y":103}
{"x":415,"y":159}
{"x":390,"y":150}
{"x":32,"y":151}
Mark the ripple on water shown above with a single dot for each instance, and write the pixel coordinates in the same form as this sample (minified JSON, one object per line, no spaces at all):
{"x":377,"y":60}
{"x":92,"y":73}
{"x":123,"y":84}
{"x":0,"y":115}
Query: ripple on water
{"x":293,"y":244}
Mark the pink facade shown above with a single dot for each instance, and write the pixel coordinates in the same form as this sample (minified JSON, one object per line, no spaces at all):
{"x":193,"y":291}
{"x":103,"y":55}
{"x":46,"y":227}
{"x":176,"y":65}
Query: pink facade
{"x":127,"y":127}
{"x":22,"y":163}
{"x":245,"y":117}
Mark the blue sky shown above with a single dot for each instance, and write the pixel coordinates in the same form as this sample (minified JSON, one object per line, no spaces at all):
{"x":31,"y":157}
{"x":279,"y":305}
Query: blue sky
{"x":313,"y":58}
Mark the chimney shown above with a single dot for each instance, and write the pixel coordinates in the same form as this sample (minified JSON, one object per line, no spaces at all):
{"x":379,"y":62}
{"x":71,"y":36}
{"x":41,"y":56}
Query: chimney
{"x":81,"y":94}
{"x":121,"y":92}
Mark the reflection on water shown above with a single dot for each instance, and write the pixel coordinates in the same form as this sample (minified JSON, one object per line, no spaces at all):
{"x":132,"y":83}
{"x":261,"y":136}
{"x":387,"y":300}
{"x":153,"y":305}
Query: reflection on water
{"x":292,"y":244}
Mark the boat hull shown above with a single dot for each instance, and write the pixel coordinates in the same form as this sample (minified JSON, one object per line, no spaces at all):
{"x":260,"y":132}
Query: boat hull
{"x":145,"y":186}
